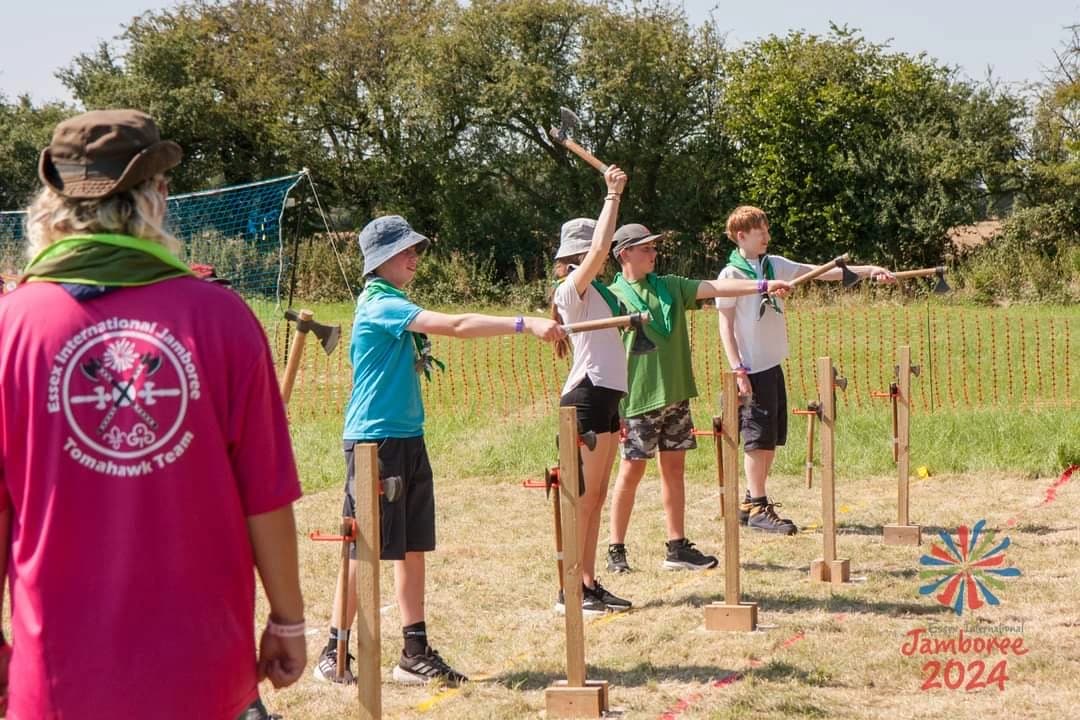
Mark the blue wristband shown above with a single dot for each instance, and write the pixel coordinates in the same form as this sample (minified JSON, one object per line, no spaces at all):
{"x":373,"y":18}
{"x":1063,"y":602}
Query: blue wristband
{"x":519,"y":324}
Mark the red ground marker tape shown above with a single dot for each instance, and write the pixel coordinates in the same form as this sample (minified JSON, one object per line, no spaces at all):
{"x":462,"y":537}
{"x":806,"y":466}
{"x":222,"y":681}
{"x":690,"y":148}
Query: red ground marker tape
{"x":684,"y":704}
{"x":1051,"y":492}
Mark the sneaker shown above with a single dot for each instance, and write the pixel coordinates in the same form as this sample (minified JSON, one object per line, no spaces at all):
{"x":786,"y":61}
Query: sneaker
{"x":616,"y":558}
{"x":763,"y":517}
{"x":590,"y":604}
{"x":425,"y":667}
{"x":325,"y":669}
{"x":685,"y":556}
{"x":607,"y":600}
{"x":747,"y":505}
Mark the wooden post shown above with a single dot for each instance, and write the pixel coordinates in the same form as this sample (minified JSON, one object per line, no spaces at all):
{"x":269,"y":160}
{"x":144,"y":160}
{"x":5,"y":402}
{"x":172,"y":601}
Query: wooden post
{"x":296,"y":353}
{"x":732,"y":614}
{"x":809,"y":471}
{"x":718,"y":443}
{"x":828,"y":568}
{"x":348,"y":529}
{"x":575,"y":697}
{"x":368,"y":550}
{"x":903,"y":532}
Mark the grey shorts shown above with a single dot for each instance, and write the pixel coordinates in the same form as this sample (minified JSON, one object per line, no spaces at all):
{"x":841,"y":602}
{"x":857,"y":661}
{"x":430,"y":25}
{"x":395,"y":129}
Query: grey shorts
{"x":668,"y":428}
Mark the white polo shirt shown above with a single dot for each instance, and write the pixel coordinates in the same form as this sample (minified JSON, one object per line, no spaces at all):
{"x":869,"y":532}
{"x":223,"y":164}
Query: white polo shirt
{"x":763,"y":343}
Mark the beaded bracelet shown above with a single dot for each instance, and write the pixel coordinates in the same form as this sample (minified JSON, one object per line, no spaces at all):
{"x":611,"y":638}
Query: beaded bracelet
{"x":763,"y":286}
{"x":519,"y":324}
{"x":286,"y":631}
{"x":741,"y":368}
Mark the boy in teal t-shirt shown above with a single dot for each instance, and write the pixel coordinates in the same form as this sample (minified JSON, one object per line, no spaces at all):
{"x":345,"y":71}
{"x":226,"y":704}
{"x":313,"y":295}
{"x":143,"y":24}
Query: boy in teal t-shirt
{"x":656,"y":410}
{"x":389,"y":350}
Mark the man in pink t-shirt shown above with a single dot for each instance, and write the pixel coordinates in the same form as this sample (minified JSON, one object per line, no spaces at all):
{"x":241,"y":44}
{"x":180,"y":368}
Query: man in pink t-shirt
{"x":145,"y":463}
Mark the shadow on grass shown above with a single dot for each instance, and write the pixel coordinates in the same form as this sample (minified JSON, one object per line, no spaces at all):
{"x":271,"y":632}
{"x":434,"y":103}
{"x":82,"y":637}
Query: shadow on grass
{"x":640,"y":675}
{"x":931,"y":532}
{"x":792,"y":603}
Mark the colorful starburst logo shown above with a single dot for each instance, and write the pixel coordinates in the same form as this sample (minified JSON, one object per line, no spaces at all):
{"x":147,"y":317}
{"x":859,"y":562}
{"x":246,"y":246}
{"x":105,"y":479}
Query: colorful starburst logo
{"x":968,"y":567}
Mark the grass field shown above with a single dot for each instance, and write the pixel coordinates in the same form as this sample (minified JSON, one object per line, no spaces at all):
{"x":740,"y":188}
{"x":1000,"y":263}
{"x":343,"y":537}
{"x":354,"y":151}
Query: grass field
{"x":820,"y":651}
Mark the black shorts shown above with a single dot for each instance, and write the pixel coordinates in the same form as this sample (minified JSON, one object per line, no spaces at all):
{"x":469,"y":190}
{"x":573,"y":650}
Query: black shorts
{"x":407,"y":524}
{"x":597,"y":407}
{"x":764,"y":423}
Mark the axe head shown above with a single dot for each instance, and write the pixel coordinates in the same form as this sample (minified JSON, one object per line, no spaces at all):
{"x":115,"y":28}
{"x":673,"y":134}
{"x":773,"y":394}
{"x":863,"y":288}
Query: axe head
{"x":588,"y":439}
{"x":940,"y":287}
{"x":568,"y":122}
{"x":641,"y":344}
{"x":840,"y":382}
{"x":850,"y":279}
{"x":328,"y":335}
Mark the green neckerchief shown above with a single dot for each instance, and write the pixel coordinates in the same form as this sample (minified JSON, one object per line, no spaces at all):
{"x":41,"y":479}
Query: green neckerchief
{"x":424,"y":359}
{"x":737,"y":261}
{"x":660,"y":325}
{"x":111,"y":260}
{"x":613,"y":303}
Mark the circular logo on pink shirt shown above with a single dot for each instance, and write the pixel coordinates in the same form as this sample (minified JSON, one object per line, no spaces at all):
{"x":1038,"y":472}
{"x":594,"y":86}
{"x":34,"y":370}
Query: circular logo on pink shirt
{"x":125,"y":392}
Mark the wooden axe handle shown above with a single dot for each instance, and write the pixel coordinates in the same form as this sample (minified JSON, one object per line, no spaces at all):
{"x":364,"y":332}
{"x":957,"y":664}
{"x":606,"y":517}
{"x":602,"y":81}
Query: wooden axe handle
{"x":578,"y":150}
{"x":924,"y":272}
{"x":613,"y":322}
{"x":820,"y":270}
{"x":295,"y":354}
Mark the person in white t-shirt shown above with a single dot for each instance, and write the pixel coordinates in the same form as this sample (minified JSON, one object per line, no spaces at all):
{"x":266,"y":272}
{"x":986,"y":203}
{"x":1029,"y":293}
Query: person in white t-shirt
{"x":597,"y":380}
{"x":756,"y":348}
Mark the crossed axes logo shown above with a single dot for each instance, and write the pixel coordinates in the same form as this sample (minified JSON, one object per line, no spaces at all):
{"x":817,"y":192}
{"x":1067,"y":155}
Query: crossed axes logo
{"x":113,"y":393}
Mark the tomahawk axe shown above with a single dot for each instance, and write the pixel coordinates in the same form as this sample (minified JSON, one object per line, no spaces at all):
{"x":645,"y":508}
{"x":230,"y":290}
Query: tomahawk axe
{"x":850,"y":279}
{"x":940,"y":287}
{"x":640,"y":345}
{"x":328,"y":336}
{"x":563,"y":135}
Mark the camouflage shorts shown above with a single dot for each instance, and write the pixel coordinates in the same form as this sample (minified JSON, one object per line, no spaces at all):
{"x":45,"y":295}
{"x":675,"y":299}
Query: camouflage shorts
{"x":667,"y":428}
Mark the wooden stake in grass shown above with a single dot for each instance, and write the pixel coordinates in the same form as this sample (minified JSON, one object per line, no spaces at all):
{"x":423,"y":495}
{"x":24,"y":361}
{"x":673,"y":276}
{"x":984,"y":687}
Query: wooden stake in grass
{"x":368,"y":547}
{"x":732,"y":614}
{"x":575,"y":697}
{"x":829,"y":568}
{"x":903,"y":532}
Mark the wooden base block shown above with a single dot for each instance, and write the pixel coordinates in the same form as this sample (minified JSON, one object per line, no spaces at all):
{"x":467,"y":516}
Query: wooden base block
{"x":564,"y":701}
{"x":902,"y":534}
{"x":737,"y":618}
{"x":837,"y":572}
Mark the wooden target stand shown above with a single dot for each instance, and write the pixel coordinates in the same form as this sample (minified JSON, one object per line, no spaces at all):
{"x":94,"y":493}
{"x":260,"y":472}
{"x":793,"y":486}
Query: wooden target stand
{"x":828,"y":568}
{"x":903,"y":532}
{"x":733,"y":614}
{"x":575,"y":697}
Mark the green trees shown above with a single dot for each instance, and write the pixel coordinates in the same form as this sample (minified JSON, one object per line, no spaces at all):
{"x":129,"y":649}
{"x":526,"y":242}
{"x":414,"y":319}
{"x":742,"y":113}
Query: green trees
{"x":439,"y":111}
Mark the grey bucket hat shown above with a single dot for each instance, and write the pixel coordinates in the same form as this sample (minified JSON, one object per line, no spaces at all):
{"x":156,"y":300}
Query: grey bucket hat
{"x":630,"y":235}
{"x":386,"y":236}
{"x":575,"y":237}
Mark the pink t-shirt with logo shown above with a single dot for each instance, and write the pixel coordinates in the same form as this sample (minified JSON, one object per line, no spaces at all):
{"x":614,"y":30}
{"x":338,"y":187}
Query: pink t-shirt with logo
{"x":137,"y":432}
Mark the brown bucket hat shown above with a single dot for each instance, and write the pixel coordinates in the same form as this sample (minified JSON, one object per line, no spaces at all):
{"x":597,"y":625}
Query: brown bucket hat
{"x":104,"y":152}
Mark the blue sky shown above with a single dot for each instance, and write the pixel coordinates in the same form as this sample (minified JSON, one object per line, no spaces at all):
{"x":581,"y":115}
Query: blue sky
{"x":1016,"y":39}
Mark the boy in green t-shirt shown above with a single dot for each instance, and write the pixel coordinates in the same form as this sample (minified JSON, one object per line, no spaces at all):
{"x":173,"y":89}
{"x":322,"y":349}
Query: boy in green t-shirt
{"x":656,"y":410}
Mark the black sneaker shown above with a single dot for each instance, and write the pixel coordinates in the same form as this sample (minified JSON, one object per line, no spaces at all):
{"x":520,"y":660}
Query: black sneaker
{"x":763,"y":517}
{"x":685,"y":556}
{"x":616,"y":558}
{"x":590,"y":604}
{"x":325,"y":669}
{"x":425,"y":667}
{"x":606,"y":599}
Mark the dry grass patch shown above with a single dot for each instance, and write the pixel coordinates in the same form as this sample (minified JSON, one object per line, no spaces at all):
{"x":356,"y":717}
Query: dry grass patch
{"x":821,"y":652}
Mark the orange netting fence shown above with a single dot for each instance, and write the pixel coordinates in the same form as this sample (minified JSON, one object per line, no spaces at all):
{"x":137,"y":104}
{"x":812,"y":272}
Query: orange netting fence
{"x":969,"y":358}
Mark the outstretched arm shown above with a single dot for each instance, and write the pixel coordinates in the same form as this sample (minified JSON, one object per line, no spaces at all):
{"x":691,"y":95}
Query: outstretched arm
{"x":605,"y":227}
{"x":474,"y":325}
{"x":732,"y":288}
{"x":874,"y":272}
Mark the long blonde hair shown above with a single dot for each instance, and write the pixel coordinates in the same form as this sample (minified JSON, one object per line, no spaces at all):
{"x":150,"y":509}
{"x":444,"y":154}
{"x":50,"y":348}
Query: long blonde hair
{"x":138,"y":212}
{"x":562,"y":269}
